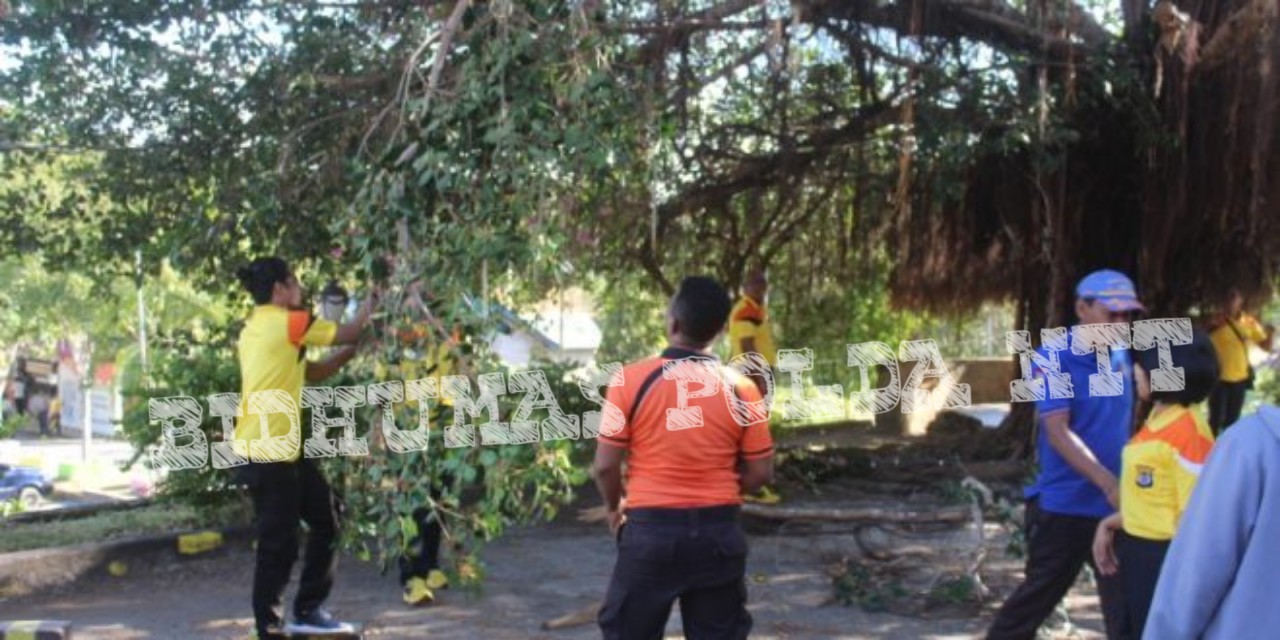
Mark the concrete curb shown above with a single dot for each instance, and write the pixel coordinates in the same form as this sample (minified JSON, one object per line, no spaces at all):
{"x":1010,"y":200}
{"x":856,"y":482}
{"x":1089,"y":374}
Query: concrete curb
{"x":78,"y":511}
{"x":26,"y":572}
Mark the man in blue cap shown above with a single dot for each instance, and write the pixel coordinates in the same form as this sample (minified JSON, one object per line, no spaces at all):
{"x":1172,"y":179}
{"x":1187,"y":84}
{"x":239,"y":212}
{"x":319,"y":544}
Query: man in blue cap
{"x":1078,"y":445}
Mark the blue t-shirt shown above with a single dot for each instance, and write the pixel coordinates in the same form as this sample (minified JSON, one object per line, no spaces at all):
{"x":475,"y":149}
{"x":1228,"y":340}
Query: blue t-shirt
{"x":1102,"y":423}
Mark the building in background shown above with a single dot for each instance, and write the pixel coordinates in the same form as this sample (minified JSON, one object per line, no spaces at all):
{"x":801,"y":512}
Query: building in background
{"x":561,"y":330}
{"x":565,"y":337}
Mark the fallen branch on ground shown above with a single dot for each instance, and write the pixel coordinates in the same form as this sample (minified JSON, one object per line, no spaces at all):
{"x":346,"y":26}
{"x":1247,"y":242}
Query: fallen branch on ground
{"x":862,"y":514}
{"x":846,"y":514}
{"x":877,"y":547}
{"x":582,"y":616}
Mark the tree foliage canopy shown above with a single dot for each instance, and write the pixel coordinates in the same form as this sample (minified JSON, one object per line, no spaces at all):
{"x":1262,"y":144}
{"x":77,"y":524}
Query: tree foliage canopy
{"x":984,"y":142}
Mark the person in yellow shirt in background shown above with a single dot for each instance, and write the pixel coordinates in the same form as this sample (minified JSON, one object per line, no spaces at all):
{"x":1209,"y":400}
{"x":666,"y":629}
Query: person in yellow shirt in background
{"x":420,"y":573}
{"x":1159,"y":468}
{"x":751,"y":332}
{"x":749,"y":328}
{"x":285,"y":486}
{"x":1232,"y":331}
{"x":424,"y":349}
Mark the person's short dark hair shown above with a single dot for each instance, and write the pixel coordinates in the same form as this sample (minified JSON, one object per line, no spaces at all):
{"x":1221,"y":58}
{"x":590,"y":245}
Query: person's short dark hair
{"x":1199,"y":363}
{"x":701,"y":306}
{"x":261,"y":276}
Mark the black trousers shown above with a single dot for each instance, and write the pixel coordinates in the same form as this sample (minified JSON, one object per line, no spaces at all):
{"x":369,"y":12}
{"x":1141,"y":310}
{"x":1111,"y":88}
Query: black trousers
{"x":284,"y":493}
{"x":696,"y":556}
{"x":424,"y":550}
{"x":1058,"y":546}
{"x":1225,"y":404}
{"x":1140,"y":561}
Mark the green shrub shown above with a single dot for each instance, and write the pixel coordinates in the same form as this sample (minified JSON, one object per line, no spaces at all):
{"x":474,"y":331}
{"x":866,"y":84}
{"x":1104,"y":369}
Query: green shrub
{"x":11,"y":424}
{"x":182,"y":365}
{"x":483,"y":490}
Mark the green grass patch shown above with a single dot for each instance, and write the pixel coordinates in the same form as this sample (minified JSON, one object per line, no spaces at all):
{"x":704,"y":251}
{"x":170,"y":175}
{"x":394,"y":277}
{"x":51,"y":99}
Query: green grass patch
{"x":113,"y":525}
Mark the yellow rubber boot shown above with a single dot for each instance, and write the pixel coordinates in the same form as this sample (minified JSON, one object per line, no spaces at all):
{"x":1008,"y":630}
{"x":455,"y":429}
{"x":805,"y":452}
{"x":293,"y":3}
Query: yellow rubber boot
{"x":417,"y":593}
{"x":764,"y":496}
{"x":437,"y":579}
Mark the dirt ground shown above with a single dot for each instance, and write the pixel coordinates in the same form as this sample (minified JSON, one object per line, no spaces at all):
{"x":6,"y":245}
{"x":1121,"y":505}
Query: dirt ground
{"x":534,"y":575}
{"x":805,"y":580}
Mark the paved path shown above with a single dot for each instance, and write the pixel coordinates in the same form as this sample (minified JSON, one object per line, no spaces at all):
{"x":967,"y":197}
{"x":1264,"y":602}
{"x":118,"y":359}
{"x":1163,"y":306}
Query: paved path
{"x":533,"y":575}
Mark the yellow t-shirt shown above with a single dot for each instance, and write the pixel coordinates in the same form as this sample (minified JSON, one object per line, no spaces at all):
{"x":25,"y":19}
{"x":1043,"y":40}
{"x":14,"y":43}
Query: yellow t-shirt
{"x":1159,"y":468}
{"x":749,"y":319}
{"x":436,"y":362}
{"x":273,"y":348}
{"x":1233,"y":355}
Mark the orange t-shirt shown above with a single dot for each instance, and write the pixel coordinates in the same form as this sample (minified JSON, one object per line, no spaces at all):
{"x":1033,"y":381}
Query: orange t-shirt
{"x":675,"y":462}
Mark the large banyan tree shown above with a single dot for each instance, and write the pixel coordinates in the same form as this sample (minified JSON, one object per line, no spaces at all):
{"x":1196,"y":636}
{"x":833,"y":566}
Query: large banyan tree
{"x":955,"y":151}
{"x":991,"y":150}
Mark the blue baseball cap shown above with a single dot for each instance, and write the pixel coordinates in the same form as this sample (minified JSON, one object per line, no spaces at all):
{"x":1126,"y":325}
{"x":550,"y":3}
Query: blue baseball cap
{"x":1112,"y":288}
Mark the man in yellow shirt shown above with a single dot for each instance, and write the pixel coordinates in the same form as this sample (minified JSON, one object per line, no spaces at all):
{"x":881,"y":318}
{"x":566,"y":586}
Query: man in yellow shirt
{"x":749,"y":328}
{"x":751,"y":332}
{"x":420,"y":574}
{"x":285,"y":486}
{"x":1231,"y":333}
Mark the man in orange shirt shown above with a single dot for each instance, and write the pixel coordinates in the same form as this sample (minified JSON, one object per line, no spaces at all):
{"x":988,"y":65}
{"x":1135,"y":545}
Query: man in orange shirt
{"x":695,"y":435}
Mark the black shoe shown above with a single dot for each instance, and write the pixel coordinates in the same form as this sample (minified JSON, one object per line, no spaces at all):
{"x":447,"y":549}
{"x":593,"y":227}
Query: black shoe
{"x":319,"y":622}
{"x":272,"y":632}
